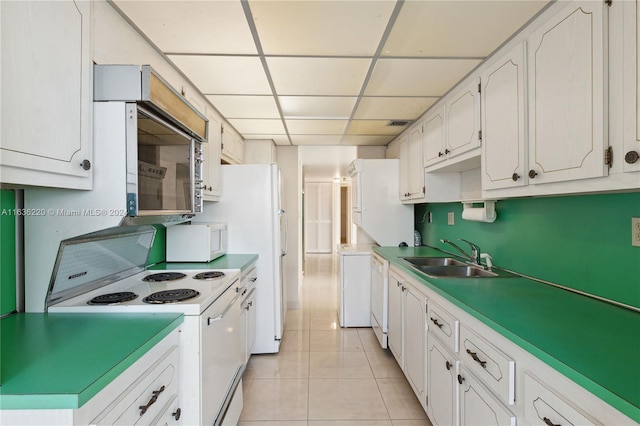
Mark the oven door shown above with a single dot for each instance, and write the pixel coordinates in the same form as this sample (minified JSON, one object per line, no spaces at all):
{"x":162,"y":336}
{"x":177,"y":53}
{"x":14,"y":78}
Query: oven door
{"x":164,"y":166}
{"x":221,"y":357}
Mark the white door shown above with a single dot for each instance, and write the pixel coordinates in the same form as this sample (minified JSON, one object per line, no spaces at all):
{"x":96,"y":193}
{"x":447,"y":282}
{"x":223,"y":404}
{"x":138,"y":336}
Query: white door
{"x":318,"y":217}
{"x":463,"y":121}
{"x":416,"y":168}
{"x":434,"y":137}
{"x":441,"y":378}
{"x":478,"y":406}
{"x":395,"y":317}
{"x":415,"y":336}
{"x":503,"y":125}
{"x":567,"y":134}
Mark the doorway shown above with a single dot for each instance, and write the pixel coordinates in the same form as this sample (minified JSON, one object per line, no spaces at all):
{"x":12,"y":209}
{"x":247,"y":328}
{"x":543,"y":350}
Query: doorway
{"x":318,"y":217}
{"x":345,"y":214}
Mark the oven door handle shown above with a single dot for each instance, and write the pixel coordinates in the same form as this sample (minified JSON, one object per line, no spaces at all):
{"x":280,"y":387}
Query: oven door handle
{"x":220,"y":316}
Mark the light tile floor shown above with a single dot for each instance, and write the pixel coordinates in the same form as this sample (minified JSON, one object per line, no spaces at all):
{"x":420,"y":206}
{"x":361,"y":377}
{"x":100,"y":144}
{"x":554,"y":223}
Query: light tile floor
{"x":326,"y":375}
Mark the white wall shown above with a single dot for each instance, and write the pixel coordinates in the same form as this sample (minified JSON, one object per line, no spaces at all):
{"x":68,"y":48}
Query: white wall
{"x":291,"y":172}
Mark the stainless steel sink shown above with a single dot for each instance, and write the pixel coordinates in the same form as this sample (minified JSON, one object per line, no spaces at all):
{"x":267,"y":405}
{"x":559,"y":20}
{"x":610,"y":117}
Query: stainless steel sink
{"x":432,"y":261}
{"x":447,"y":267}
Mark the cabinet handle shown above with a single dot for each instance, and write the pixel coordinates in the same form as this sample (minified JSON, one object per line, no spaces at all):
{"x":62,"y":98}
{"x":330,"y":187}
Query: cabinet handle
{"x":448,"y":365}
{"x":254,"y":279}
{"x":435,"y":321}
{"x":532,"y":174}
{"x":549,"y":422}
{"x":460,"y":379}
{"x":176,"y":414}
{"x":474,"y":355}
{"x":154,"y":398}
{"x":515,"y":177}
{"x":86,"y":164}
{"x":440,"y":154}
{"x":631,"y":157}
{"x":446,"y":151}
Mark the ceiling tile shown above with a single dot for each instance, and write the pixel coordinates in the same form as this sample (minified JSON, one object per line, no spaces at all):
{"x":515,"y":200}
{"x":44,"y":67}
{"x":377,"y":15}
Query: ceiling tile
{"x":417,"y":77}
{"x":318,"y":76}
{"x":245,"y":106}
{"x":373,"y":127}
{"x":277,"y":139}
{"x":317,"y":106}
{"x":224,"y":75}
{"x":403,"y":108}
{"x":321,"y":27}
{"x":457,"y":28}
{"x":258,"y":126}
{"x":316,"y":139}
{"x":367,"y":140}
{"x":316,"y":127}
{"x":192,"y":26}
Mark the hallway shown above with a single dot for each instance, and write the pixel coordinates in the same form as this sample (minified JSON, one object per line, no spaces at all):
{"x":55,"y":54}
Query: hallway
{"x":325,"y":375}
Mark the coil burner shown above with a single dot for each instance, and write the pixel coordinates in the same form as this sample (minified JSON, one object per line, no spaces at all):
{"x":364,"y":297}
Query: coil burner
{"x":111,"y":298}
{"x":164,"y":276}
{"x":171,"y":296}
{"x":209,"y":275}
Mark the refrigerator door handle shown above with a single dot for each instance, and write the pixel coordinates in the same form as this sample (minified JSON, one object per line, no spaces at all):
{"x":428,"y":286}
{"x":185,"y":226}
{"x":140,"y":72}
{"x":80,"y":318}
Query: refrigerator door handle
{"x":283,"y":253}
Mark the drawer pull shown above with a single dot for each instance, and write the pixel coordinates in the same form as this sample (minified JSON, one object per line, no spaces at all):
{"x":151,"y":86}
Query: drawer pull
{"x":176,"y":414}
{"x":460,"y":379}
{"x":448,"y":365}
{"x":474,"y":355}
{"x":549,"y":422}
{"x":254,"y":279}
{"x":154,"y":398}
{"x":435,"y":321}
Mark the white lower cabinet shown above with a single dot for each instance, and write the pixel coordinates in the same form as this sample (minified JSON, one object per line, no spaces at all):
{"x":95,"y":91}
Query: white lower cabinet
{"x":442,"y":388}
{"x":146,"y":393}
{"x":478,"y":406}
{"x":407,"y":331}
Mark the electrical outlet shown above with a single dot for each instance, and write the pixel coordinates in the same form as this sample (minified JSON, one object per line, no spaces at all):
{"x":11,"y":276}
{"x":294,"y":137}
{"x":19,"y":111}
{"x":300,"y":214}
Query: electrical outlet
{"x":429,"y":217}
{"x":635,"y":231}
{"x":450,"y":219}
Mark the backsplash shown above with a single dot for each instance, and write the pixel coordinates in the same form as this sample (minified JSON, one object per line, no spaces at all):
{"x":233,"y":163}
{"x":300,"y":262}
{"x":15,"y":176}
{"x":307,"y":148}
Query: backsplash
{"x":157,"y":253}
{"x":582,"y":242}
{"x":7,"y":252}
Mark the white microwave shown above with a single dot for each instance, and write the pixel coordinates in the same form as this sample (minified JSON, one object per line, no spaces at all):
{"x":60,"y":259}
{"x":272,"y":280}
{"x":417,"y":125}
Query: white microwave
{"x":196,"y":242}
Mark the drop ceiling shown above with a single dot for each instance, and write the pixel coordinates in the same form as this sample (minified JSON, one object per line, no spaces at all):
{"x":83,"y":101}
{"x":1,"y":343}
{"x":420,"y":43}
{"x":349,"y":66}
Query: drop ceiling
{"x":326,"y":72}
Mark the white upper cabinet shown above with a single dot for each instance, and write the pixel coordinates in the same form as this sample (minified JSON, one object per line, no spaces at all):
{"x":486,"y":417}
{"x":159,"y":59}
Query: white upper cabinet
{"x":463,"y":120}
{"x":211,"y":167}
{"x":47,"y":71}
{"x":566,"y":78}
{"x":434,"y":137}
{"x":232,"y":146}
{"x":503,"y":121}
{"x":631,"y":39}
{"x":411,"y":168}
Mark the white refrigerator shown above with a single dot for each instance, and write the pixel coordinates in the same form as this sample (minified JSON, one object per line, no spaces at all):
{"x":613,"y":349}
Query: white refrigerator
{"x":250,"y":205}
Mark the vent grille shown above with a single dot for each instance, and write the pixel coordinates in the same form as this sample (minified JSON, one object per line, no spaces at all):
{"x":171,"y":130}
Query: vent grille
{"x":398,"y":123}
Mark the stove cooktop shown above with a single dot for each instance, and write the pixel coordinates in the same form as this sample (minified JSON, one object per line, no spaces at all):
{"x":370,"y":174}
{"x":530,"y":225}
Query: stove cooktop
{"x":149,"y":291}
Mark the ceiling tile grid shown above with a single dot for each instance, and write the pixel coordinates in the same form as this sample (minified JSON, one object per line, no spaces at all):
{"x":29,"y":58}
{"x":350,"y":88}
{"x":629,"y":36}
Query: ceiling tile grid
{"x":322,"y":72}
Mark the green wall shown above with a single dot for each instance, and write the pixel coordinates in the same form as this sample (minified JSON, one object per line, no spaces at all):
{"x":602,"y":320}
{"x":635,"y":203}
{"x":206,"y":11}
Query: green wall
{"x":582,"y":242}
{"x":7,"y":252}
{"x":157,"y":253}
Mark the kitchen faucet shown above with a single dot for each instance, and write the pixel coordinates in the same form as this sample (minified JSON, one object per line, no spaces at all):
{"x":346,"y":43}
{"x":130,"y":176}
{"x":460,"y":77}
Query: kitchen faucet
{"x":474,"y":257}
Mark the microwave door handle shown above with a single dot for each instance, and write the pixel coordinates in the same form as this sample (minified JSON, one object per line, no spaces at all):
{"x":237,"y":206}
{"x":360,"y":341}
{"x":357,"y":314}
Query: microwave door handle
{"x":286,"y":233}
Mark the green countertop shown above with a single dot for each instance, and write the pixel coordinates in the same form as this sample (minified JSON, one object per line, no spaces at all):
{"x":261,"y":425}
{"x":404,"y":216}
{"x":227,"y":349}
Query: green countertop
{"x":59,"y":360}
{"x":594,"y":343}
{"x":228,"y":261}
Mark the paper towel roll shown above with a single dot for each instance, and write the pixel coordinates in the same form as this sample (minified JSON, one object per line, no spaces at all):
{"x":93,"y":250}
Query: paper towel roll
{"x":479,"y":214}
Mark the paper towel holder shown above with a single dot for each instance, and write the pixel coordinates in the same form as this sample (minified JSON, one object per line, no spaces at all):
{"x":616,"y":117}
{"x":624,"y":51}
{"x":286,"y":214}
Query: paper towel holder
{"x":486,"y":213}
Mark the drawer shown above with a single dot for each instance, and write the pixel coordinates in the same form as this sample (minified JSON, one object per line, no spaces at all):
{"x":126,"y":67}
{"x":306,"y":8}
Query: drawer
{"x":153,"y":389}
{"x":443,"y":325}
{"x":544,"y":407}
{"x":495,"y":368}
{"x":478,"y":406}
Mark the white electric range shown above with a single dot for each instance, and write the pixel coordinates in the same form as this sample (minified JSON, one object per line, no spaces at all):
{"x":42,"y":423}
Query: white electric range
{"x":104,"y":272}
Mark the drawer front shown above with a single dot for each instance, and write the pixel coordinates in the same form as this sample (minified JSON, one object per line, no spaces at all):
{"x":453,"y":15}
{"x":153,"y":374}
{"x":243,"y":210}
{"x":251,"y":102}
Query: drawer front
{"x":153,"y":390}
{"x":478,"y":406}
{"x":490,"y":364}
{"x":444,"y":326}
{"x":544,"y":407}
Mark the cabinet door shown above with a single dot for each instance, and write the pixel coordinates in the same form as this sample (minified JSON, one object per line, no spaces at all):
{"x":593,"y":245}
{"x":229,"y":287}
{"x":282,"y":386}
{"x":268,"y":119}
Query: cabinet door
{"x":463,"y":121}
{"x":442,"y":371}
{"x":228,"y":145}
{"x":478,"y":406}
{"x":239,"y":150}
{"x":503,"y":125}
{"x":631,"y":40}
{"x":405,"y":169}
{"x":47,"y":73}
{"x":415,"y":333}
{"x":211,"y":169}
{"x":434,"y":137}
{"x":395,"y":317}
{"x":416,"y":168}
{"x":567,"y":136}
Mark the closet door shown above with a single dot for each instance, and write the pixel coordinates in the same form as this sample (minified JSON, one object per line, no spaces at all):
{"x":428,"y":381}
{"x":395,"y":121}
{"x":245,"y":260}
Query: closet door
{"x":318,"y":217}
